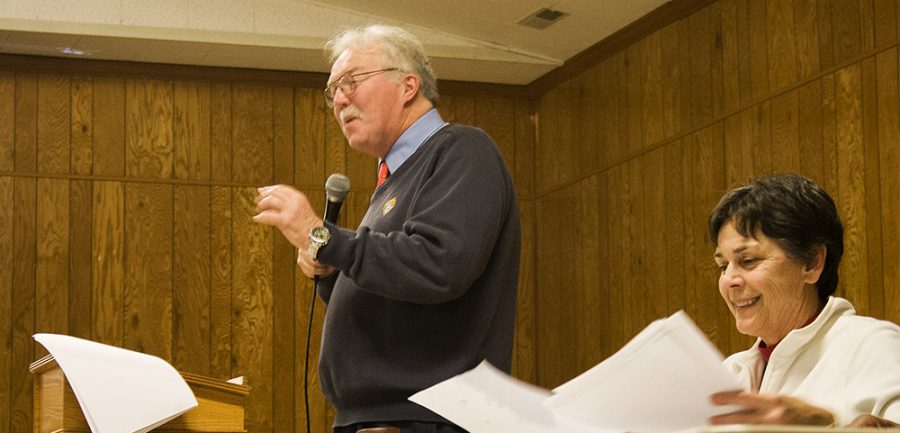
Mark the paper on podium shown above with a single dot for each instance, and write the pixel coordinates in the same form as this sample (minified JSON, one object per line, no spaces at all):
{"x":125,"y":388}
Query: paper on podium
{"x":119,"y":390}
{"x":659,"y":382}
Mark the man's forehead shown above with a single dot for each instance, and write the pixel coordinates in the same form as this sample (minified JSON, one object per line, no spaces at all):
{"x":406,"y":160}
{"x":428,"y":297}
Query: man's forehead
{"x":351,"y":61}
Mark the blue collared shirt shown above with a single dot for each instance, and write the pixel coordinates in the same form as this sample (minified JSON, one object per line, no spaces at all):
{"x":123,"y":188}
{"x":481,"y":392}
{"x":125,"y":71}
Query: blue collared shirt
{"x":413,"y":138}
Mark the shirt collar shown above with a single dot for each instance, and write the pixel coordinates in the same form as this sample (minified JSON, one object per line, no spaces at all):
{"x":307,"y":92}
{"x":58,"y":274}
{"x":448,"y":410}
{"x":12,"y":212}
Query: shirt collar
{"x":766,"y":351}
{"x":413,"y":138}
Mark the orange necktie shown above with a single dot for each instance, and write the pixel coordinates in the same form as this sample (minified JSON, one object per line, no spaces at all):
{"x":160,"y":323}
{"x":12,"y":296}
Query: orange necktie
{"x":383,"y":173}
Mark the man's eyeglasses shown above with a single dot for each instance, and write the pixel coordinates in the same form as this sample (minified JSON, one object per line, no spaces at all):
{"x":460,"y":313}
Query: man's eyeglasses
{"x":347,"y":83}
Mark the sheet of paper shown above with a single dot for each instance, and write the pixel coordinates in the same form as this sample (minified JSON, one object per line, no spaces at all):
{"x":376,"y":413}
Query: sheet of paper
{"x":486,"y":400}
{"x":659,"y":382}
{"x":119,"y":390}
{"x":771,"y":428}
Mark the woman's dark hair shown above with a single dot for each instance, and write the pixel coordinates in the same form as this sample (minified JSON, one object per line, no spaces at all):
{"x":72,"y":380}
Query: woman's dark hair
{"x":792,"y":210}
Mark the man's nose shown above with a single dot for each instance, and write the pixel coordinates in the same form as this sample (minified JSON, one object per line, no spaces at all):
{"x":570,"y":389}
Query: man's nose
{"x":340,"y":98}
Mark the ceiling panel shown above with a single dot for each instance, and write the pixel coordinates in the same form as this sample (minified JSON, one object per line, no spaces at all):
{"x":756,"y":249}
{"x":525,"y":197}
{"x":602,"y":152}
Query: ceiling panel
{"x":468,"y":40}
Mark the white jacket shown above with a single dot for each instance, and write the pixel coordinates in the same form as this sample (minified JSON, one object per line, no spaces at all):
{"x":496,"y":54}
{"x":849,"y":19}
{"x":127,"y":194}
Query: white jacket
{"x":845,"y":363}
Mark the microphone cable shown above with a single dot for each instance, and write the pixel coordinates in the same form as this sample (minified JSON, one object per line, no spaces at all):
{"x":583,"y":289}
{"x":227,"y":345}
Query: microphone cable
{"x":309,"y":324}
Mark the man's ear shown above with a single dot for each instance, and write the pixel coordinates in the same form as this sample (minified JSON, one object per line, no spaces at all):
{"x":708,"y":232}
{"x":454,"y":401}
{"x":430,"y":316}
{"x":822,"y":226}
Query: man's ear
{"x":816,"y":265}
{"x":410,"y":88}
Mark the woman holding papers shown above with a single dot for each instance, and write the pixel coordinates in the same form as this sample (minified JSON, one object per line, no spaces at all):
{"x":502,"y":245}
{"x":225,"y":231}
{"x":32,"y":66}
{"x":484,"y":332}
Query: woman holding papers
{"x":778,"y":244}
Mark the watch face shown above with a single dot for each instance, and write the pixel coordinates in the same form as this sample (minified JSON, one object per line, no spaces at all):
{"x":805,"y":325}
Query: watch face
{"x":320,"y":234}
{"x":318,"y":238}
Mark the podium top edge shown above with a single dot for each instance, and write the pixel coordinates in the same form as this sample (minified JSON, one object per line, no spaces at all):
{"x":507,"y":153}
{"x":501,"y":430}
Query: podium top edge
{"x":193,"y":379}
{"x":207,"y":382}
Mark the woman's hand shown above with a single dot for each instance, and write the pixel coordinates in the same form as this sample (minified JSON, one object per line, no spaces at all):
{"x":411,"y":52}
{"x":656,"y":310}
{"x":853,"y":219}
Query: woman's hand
{"x":866,"y":420}
{"x":768,"y":409}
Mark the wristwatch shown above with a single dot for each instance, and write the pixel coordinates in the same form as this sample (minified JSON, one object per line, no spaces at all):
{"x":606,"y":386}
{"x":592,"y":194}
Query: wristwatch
{"x":318,"y":238}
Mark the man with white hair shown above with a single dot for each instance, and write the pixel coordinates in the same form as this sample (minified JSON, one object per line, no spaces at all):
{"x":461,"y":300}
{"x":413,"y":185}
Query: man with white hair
{"x":425,"y":288}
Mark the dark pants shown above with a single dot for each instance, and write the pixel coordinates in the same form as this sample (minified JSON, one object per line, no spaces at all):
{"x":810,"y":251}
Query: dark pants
{"x":404,"y":427}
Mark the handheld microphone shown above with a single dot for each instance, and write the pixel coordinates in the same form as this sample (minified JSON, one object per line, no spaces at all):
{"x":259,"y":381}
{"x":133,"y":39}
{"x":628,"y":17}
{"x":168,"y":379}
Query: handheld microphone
{"x":336,"y":188}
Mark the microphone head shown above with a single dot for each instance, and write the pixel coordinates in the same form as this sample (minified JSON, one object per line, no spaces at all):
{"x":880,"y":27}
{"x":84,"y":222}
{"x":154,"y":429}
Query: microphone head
{"x":336,"y":187}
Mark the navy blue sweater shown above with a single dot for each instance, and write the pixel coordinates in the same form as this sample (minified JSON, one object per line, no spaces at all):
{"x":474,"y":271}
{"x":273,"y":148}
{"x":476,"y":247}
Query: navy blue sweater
{"x":427,"y":283}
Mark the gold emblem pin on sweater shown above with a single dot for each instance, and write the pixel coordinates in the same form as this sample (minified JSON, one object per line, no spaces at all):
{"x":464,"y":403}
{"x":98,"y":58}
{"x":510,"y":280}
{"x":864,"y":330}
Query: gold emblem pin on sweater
{"x":388,"y":206}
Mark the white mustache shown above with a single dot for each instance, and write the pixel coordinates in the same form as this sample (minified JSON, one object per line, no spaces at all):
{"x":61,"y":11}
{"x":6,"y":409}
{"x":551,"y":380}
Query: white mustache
{"x":349,"y":111}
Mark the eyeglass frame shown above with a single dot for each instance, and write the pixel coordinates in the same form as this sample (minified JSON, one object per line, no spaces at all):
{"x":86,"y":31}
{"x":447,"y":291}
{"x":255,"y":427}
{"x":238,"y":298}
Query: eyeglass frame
{"x":349,"y":88}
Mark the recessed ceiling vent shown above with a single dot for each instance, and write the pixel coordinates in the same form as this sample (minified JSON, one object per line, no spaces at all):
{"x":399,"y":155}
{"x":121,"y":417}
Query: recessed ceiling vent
{"x":543,"y":18}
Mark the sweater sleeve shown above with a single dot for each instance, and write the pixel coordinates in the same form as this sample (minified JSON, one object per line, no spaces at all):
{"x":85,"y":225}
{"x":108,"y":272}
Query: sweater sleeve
{"x":873,"y":376}
{"x":451,"y":223}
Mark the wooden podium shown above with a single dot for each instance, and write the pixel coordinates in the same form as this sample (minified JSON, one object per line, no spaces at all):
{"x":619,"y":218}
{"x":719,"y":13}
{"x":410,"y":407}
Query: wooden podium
{"x":56,"y":410}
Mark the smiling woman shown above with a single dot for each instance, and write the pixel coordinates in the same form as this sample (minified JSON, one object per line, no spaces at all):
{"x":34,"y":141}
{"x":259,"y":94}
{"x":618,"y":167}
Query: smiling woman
{"x":779,"y":242}
{"x":768,"y":292}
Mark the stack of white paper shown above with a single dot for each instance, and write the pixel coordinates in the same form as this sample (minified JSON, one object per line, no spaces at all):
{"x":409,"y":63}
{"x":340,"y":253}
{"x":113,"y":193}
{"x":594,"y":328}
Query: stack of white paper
{"x":659,"y":382}
{"x":119,"y":390}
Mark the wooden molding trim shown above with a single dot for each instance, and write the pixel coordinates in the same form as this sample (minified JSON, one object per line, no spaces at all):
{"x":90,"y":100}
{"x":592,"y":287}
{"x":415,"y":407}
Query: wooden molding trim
{"x":107,"y":68}
{"x":315,"y":80}
{"x":618,"y":41}
{"x":471,"y":88}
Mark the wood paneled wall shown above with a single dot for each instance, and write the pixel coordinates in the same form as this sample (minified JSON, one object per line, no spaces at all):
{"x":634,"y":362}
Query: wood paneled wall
{"x":633,"y":154}
{"x":125,"y":200}
{"x":125,"y":207}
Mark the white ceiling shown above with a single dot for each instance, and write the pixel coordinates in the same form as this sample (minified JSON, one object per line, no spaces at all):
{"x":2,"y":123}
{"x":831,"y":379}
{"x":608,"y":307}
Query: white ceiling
{"x":468,"y":40}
